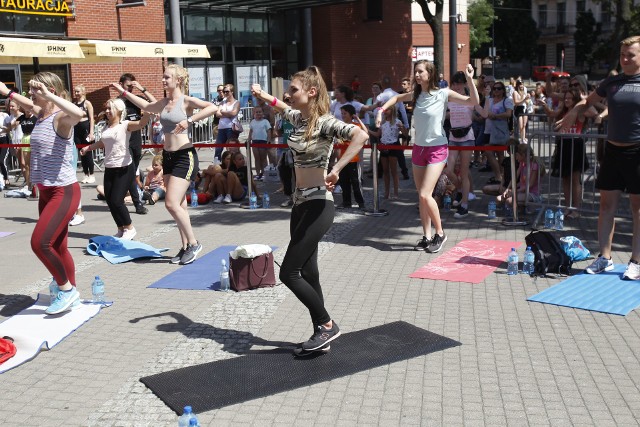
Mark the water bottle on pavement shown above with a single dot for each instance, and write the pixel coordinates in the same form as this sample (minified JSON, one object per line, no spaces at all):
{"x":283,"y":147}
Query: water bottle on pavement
{"x":508,"y":210}
{"x":549,"y":219}
{"x":194,"y":195}
{"x":529,"y":260}
{"x":224,"y":277}
{"x":512,"y":262}
{"x":491,"y":209}
{"x":97,"y":289}
{"x":186,"y":417}
{"x":253,"y":201}
{"x":193,"y":422}
{"x":446,"y":202}
{"x":266,"y":202}
{"x":559,"y":219}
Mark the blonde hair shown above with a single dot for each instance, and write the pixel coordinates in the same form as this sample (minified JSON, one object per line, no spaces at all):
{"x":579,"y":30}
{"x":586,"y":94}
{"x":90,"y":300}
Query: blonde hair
{"x":52,"y":81}
{"x":117,"y":104}
{"x":181,"y":75}
{"x":630,"y":40}
{"x":81,"y":88}
{"x":394,"y":114}
{"x":157,"y":159}
{"x":318,"y":105}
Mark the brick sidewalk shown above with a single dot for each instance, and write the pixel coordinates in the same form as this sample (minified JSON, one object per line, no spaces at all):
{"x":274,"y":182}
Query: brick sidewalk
{"x":519,"y":363}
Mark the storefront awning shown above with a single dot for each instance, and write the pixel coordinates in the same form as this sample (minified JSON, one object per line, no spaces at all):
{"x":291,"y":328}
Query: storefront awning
{"x":259,"y":5}
{"x":17,"y":51}
{"x":120,"y":49}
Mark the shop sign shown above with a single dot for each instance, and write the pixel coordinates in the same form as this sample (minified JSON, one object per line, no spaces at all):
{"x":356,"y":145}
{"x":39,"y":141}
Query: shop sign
{"x":37,"y":7}
{"x":422,"y":53}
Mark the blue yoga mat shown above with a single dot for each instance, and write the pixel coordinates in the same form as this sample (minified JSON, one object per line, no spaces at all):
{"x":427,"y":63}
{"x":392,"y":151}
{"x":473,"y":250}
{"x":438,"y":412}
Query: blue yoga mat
{"x":202,"y":274}
{"x":605,"y":292}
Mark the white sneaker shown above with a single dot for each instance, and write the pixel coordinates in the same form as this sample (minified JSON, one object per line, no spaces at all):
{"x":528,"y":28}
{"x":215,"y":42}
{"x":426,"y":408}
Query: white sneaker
{"x":599,"y":265}
{"x":91,"y":179}
{"x":632,"y":272}
{"x":129,"y":234}
{"x":471,"y":197}
{"x":76,"y":220}
{"x":227,"y":199}
{"x":218,"y":199}
{"x":85,"y":179}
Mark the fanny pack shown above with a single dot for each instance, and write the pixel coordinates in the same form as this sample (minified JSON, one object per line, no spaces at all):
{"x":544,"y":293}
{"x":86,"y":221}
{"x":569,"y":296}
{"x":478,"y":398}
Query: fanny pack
{"x":460,"y":132}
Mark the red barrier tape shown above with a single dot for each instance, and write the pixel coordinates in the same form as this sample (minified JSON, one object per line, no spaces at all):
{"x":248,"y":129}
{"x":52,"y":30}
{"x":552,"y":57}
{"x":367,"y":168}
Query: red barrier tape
{"x":391,"y":147}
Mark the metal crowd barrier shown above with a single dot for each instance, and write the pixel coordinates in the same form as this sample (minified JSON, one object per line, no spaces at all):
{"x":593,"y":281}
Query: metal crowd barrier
{"x":551,"y":149}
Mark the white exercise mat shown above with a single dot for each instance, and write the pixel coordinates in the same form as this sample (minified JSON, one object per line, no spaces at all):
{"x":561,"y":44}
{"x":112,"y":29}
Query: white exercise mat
{"x":33,"y":330}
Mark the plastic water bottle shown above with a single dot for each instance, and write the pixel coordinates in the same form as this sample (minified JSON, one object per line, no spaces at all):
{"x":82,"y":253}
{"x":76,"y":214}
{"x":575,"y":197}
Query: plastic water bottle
{"x":194,"y":195}
{"x":53,"y":287}
{"x":97,"y":289}
{"x":559,"y":219}
{"x":491,"y":209}
{"x":266,"y":202}
{"x":224,"y":277}
{"x":512,"y":262}
{"x":549,"y":219}
{"x":446,"y":202}
{"x":186,"y":417}
{"x":529,"y":260}
{"x":508,"y":210}
{"x":193,"y":422}
{"x":253,"y":201}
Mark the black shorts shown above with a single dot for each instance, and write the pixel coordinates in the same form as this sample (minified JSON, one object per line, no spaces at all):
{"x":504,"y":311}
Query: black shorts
{"x":181,"y":164}
{"x":387,"y":153}
{"x":519,"y":110}
{"x":620,"y":169}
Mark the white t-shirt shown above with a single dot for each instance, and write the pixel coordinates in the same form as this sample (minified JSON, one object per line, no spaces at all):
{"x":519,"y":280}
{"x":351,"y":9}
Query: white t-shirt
{"x":428,"y":118}
{"x":116,"y":145}
{"x":337,"y":113}
{"x":386,"y":95}
{"x":389,"y":133}
{"x":460,"y":116}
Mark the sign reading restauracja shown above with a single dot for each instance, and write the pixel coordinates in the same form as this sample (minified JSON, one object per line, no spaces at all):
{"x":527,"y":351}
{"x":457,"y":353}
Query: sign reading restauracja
{"x":38,"y":7}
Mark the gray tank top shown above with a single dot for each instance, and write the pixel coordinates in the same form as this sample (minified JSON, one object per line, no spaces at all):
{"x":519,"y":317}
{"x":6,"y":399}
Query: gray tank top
{"x":170,"y":119}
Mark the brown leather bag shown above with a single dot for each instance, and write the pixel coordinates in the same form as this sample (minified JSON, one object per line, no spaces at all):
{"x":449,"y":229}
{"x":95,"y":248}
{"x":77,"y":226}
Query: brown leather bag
{"x":252,"y":273}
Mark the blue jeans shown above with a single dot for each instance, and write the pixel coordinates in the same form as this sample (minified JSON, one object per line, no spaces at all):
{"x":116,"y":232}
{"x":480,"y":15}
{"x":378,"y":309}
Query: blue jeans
{"x":223,"y":136}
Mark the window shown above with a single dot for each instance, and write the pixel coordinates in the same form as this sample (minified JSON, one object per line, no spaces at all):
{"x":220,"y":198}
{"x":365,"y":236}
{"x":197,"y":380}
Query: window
{"x":32,"y":24}
{"x":580,"y":6}
{"x":374,"y":10}
{"x":542,"y":16}
{"x":562,"y":16}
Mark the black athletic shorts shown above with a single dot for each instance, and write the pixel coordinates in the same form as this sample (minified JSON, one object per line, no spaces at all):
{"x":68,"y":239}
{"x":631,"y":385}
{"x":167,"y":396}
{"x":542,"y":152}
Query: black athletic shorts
{"x":181,"y":164}
{"x":620,"y":169}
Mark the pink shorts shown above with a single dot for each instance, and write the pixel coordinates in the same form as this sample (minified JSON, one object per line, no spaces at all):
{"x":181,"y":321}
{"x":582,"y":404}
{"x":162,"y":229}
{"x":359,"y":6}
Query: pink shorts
{"x":424,"y":156}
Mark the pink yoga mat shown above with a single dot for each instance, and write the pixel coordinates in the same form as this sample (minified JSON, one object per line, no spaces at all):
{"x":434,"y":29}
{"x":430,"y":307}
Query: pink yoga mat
{"x":469,"y":261}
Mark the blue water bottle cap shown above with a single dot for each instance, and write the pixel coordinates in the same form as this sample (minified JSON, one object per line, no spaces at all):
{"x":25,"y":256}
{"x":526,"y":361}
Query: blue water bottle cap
{"x":187,"y":409}
{"x":513,"y":249}
{"x":97,"y":277}
{"x":528,"y":248}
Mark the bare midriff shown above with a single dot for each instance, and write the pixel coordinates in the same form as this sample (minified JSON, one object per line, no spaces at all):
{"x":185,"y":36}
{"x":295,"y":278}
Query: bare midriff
{"x":175,"y":142}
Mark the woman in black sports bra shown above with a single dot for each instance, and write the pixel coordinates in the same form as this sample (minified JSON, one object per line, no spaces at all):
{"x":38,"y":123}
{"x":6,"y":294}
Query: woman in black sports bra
{"x":312,"y":215}
{"x":179,"y":157}
{"x":83,"y":132}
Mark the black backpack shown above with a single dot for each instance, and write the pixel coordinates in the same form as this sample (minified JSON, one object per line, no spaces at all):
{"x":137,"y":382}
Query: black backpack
{"x":550,"y":257}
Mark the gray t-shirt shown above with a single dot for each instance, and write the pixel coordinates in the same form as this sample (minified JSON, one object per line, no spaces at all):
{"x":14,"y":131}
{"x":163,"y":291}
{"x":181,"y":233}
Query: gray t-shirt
{"x":623,"y":99}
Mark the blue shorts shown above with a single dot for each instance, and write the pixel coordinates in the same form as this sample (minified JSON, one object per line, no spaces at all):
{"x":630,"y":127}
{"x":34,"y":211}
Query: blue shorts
{"x":468,"y":143}
{"x":244,"y":194}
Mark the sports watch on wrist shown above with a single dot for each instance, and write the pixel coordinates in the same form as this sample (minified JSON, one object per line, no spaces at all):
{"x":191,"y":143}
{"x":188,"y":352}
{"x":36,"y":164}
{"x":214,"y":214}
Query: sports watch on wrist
{"x":190,"y":120}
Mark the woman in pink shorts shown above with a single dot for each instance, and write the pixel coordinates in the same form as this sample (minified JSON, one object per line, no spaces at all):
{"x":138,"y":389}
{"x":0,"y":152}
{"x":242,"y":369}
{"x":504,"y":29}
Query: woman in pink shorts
{"x":430,"y":149}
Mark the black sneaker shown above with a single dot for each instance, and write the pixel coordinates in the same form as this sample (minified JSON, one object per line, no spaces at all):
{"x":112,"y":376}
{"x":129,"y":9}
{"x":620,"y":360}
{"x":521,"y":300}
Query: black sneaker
{"x":321,"y":337}
{"x":457,"y":200}
{"x":422,"y":244}
{"x":141,"y":210}
{"x":300,"y":352}
{"x":436,"y":243}
{"x":176,"y":259}
{"x":405,"y":176}
{"x":461,"y":212}
{"x":190,"y":253}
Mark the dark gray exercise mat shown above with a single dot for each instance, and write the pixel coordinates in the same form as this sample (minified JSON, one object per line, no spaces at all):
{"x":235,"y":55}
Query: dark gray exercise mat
{"x":263,"y":373}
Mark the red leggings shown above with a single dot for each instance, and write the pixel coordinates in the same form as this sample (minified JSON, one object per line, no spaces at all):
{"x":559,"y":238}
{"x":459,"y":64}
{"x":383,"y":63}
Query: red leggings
{"x":49,"y":239}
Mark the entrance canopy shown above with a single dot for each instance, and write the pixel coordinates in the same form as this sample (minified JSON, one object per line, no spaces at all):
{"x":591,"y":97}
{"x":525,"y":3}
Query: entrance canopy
{"x":259,"y":5}
{"x":15,"y":51}
{"x":121,"y":49}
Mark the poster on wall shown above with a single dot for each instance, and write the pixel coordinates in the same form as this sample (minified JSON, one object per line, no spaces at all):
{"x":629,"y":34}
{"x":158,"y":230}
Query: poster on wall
{"x":196,"y":82}
{"x":215,"y":78}
{"x":421,"y":53}
{"x":246,"y":76}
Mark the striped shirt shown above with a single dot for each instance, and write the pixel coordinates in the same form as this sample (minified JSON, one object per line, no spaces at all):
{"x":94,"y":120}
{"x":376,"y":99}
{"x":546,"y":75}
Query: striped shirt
{"x":51,"y":155}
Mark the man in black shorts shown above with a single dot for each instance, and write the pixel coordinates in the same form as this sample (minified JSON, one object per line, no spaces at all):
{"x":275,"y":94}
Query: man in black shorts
{"x":620,"y":167}
{"x":128,"y":82}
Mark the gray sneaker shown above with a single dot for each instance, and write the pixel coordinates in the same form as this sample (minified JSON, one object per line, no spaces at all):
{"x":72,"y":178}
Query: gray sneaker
{"x":321,"y":337}
{"x":176,"y":259}
{"x":436,"y":243}
{"x":190,"y":253}
{"x":599,"y":265}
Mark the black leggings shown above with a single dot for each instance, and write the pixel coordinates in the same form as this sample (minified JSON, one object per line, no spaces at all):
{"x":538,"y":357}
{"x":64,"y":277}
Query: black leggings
{"x":116,"y":184}
{"x":299,"y":272}
{"x":80,"y":134}
{"x":4,"y":158}
{"x":136,"y":156}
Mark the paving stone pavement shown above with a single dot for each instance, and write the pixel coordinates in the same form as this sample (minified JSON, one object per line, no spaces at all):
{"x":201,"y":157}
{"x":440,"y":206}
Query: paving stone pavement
{"x":519,"y":363}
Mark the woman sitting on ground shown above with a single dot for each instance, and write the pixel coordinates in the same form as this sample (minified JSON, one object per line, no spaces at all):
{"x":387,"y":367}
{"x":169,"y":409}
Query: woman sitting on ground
{"x":213,"y":170}
{"x":530,"y":171}
{"x":235,"y":183}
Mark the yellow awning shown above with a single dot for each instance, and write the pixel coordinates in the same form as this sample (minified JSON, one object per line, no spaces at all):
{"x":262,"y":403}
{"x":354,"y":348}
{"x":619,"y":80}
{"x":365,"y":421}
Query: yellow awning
{"x":16,"y":51}
{"x":108,"y":48}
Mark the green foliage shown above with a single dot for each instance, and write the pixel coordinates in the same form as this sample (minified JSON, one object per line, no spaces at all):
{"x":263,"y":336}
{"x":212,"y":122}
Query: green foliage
{"x":480,"y":15}
{"x":516,"y":35}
